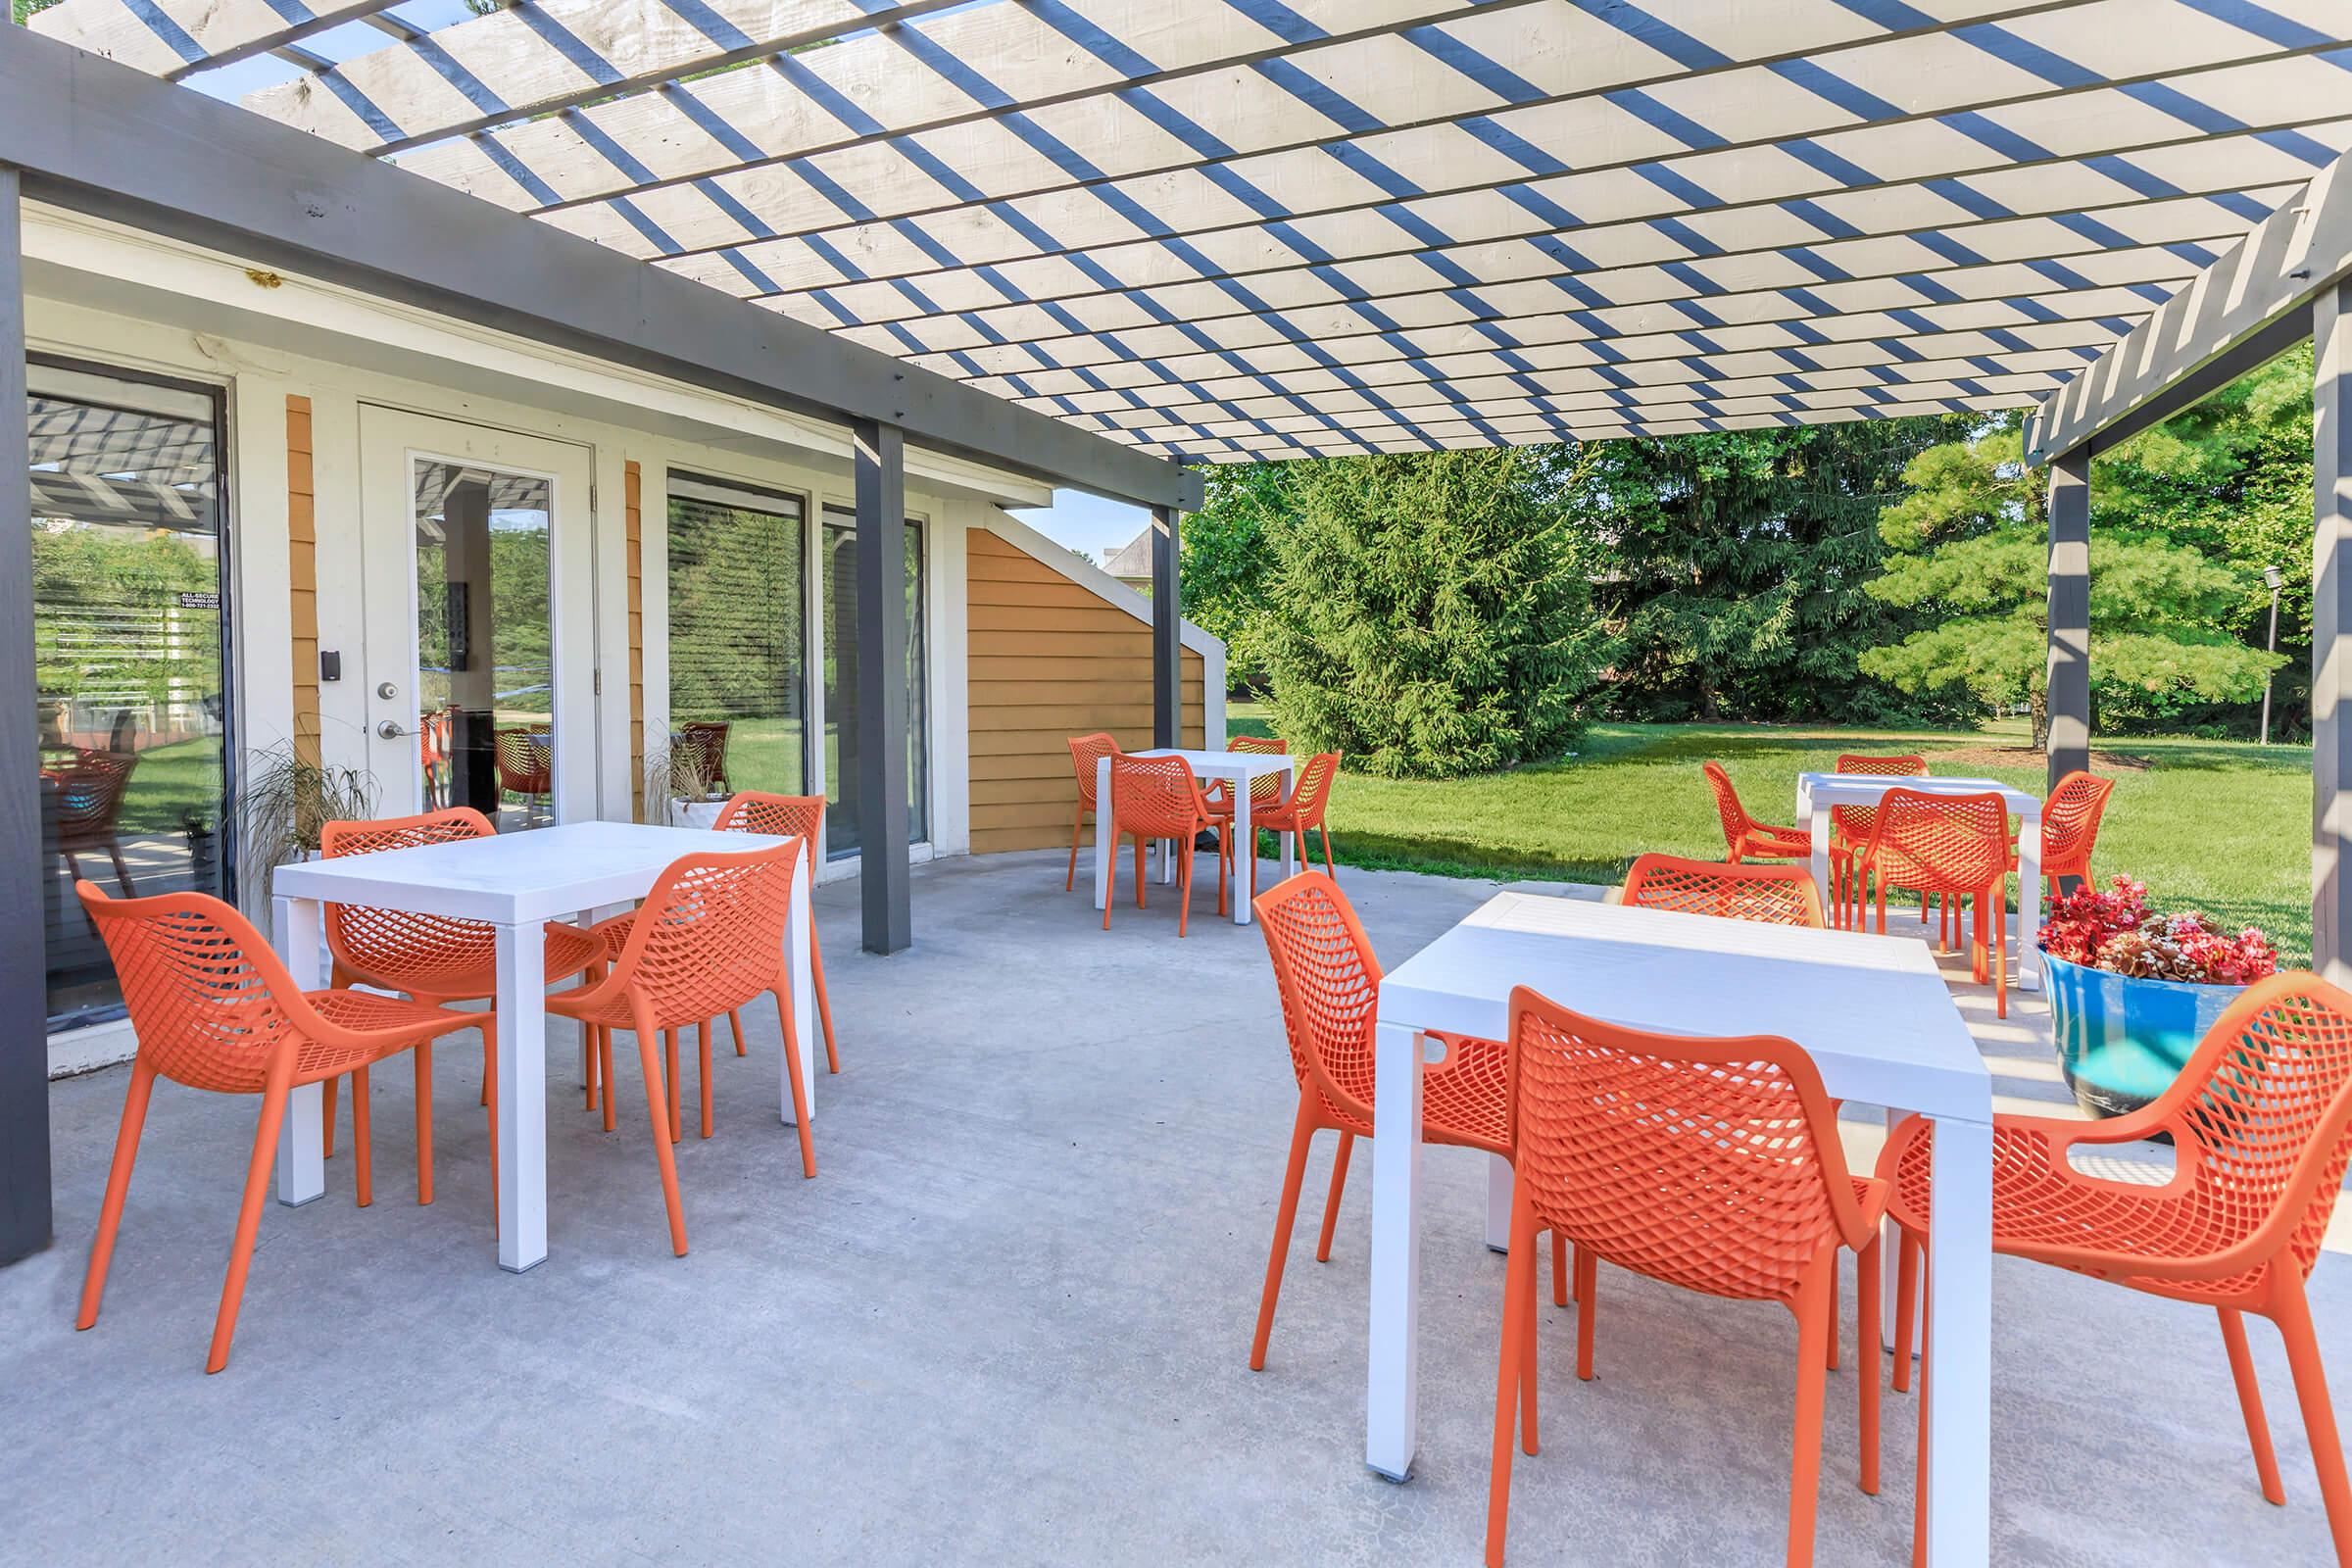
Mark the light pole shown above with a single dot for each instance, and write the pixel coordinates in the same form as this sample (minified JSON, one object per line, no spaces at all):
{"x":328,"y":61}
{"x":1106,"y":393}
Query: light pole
{"x":2269,"y":575}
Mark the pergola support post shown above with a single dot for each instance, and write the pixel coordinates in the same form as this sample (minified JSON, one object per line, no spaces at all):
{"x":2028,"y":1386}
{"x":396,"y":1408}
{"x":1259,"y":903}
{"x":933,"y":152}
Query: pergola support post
{"x":882,"y":761}
{"x":25,"y":1215}
{"x":2332,"y":633}
{"x":1167,"y":629}
{"x":2067,"y":685}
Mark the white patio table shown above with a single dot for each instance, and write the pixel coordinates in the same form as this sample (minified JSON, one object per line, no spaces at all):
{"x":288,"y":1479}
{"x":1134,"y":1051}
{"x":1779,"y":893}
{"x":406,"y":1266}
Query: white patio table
{"x":1875,"y":1018}
{"x":1816,"y":793}
{"x":516,"y":882}
{"x":1237,"y":770}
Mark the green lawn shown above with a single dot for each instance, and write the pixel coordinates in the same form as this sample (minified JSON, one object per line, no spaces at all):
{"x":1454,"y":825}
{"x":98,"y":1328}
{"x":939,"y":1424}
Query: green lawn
{"x":2220,"y":826}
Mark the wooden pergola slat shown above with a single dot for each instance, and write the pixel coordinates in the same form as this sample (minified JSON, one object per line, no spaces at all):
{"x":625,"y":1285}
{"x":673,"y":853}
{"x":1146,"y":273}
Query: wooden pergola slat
{"x":172,"y":38}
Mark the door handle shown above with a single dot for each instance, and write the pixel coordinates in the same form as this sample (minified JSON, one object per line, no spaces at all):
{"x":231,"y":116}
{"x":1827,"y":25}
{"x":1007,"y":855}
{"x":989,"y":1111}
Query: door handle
{"x":390,"y":730}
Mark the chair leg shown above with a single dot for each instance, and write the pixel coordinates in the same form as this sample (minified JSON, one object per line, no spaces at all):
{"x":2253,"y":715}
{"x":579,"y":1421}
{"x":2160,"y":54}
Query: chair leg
{"x":824,"y":1003}
{"x":604,"y":1065}
{"x":1331,"y":1201}
{"x":792,"y":1074}
{"x":703,"y":1046}
{"x":118,"y":1185}
{"x":363,"y":1150}
{"x":1869,"y":1299}
{"x":1329,"y":870}
{"x":1835,"y":1302}
{"x":670,"y":1062}
{"x":2249,"y":1403}
{"x":656,"y":1094}
{"x":326,"y":1117}
{"x":1224,"y":869}
{"x":735,"y":1028}
{"x":2000,"y":962}
{"x":2291,"y":1311}
{"x":424,"y":1122}
{"x":114,"y":851}
{"x":1184,"y":891}
{"x":1140,"y":877}
{"x":1510,"y":1380}
{"x":249,"y":1211}
{"x":1110,"y":884}
{"x":1559,"y":1269}
{"x":1588,"y":1293}
{"x":587,"y":1067}
{"x":1906,"y":1305}
{"x":1813,"y":1326}
{"x":1077,"y":831}
{"x":1285,"y":1214}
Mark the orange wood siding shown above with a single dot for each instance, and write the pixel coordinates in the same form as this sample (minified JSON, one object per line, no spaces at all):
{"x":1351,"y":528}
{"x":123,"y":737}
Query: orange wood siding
{"x":1048,"y":660}
{"x":302,"y":575}
{"x":633,"y":521}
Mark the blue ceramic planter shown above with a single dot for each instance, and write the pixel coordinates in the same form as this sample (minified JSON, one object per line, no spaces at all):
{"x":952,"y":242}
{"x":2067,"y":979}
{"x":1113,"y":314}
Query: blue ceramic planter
{"x":2123,"y":1041}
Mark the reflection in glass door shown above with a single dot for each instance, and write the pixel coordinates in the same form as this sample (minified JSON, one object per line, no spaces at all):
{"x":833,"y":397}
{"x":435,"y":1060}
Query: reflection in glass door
{"x":840,"y":686}
{"x":738,"y":695}
{"x":485,"y":644}
{"x":128,"y":655}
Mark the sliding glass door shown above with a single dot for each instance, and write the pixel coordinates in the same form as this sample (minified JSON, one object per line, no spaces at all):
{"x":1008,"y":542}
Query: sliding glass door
{"x":738,"y":629}
{"x":131,"y":681}
{"x":841,"y":685}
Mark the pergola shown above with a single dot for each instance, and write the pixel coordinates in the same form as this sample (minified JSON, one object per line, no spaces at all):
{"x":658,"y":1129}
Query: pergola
{"x":1098,"y":240}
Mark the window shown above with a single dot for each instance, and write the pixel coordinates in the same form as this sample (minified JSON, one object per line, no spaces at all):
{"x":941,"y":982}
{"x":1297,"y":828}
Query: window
{"x":738,"y":667}
{"x":130,"y":652}
{"x":840,"y":686}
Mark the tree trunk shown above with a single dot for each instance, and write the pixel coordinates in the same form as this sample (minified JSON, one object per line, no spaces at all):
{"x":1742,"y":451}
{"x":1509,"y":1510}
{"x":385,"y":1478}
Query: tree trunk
{"x":2041,"y":720}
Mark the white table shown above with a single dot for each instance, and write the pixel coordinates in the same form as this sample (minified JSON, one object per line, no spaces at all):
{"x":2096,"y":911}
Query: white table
{"x":1816,"y":793}
{"x":516,"y":882}
{"x":1237,"y":770}
{"x":1879,"y":1022}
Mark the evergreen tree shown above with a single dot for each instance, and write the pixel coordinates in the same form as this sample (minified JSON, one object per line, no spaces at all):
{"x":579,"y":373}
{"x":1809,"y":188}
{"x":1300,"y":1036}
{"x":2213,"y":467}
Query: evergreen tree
{"x":1735,"y":567}
{"x":1969,"y":562}
{"x":1434,"y":618}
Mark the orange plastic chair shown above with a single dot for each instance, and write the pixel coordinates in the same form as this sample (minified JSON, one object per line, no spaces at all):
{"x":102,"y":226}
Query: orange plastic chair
{"x":1776,"y":894}
{"x":432,"y":957}
{"x":2069,"y":827}
{"x":215,"y":1009}
{"x":708,"y":939}
{"x":1303,"y":809}
{"x":1953,"y":845}
{"x":89,"y":810}
{"x":1711,"y":1165}
{"x":1157,"y":798}
{"x":1850,"y":826}
{"x":1329,"y":980}
{"x":1746,"y":838}
{"x":1265,"y":791}
{"x":1085,"y":752}
{"x":524,"y":760}
{"x":2261,"y":1124}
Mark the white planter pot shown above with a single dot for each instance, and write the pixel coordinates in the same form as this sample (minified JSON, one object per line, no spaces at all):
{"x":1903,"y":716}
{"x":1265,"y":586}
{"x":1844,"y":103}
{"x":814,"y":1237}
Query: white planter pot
{"x":695,"y":813}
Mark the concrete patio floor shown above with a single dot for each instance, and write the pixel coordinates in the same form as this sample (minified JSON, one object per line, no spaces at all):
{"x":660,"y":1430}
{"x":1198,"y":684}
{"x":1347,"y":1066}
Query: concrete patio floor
{"x":1007,"y":1323}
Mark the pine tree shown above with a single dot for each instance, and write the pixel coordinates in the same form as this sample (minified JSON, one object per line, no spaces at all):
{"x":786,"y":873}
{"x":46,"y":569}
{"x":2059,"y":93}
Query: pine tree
{"x":1434,"y":620}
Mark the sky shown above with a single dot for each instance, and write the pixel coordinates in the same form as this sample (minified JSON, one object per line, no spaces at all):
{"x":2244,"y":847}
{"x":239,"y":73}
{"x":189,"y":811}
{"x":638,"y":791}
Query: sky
{"x":1086,"y":523}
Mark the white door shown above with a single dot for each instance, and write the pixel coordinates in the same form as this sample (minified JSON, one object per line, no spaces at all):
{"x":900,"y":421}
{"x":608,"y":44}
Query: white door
{"x":480,"y":645}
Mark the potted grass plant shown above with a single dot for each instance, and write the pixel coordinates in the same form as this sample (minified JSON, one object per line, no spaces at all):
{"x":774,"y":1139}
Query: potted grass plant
{"x":680,"y":777}
{"x":2132,"y":990}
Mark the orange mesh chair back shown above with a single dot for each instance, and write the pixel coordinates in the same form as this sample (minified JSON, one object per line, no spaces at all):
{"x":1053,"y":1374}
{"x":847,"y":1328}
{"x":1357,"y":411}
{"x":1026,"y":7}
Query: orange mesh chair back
{"x":394,"y":948}
{"x":786,"y":816}
{"x":524,"y":761}
{"x":1159,"y":798}
{"x":1776,"y":894}
{"x":708,"y":939}
{"x":214,"y":1008}
{"x":1854,"y":822}
{"x":88,"y":804}
{"x":2261,"y":1124}
{"x":1711,"y":1165}
{"x":1956,"y":846}
{"x":1329,"y":981}
{"x":1086,"y":751}
{"x":2069,"y":825}
{"x":1308,"y":799}
{"x":1265,"y":791}
{"x":1743,"y":837}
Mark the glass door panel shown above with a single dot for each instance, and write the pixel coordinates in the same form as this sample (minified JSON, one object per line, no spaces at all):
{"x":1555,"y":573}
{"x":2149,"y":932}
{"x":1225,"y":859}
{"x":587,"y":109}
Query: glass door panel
{"x":738,"y":679}
{"x":128,"y":649}
{"x":840,"y":686}
{"x":485,"y":641}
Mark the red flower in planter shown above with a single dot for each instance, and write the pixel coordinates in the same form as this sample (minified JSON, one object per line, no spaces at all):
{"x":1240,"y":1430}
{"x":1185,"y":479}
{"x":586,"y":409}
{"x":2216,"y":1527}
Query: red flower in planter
{"x":2113,"y":931}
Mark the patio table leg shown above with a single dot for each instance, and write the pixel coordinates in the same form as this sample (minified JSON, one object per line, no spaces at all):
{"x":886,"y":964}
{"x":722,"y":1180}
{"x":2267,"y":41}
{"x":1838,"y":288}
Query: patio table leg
{"x":1959,"y":1402}
{"x":1290,"y":786}
{"x":521,"y":1097}
{"x":1106,"y":831}
{"x":1392,"y":1385}
{"x":1245,"y":842}
{"x":1498,"y":1204}
{"x":803,"y":999}
{"x":2029,"y":901}
{"x":1816,"y":823}
{"x":301,"y":1156}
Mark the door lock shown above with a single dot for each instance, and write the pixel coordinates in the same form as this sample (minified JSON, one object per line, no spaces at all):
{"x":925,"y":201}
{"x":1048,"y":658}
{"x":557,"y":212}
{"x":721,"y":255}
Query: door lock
{"x":390,"y":729}
{"x":386,"y":690}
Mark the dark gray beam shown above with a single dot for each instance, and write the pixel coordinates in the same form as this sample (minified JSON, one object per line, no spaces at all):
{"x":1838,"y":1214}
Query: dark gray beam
{"x":2331,"y":637}
{"x":2215,"y":375}
{"x":1167,"y":629}
{"x":23,"y":987}
{"x":102,"y":138}
{"x":2276,"y":270}
{"x":2068,"y":680}
{"x":882,"y":765}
